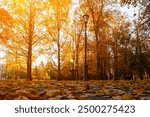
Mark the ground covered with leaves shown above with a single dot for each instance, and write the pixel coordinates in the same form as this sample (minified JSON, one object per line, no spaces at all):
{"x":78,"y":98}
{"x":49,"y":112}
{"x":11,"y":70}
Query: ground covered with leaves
{"x":75,"y":90}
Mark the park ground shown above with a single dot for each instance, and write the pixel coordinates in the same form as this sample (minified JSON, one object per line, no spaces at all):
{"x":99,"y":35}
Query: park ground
{"x":74,"y":90}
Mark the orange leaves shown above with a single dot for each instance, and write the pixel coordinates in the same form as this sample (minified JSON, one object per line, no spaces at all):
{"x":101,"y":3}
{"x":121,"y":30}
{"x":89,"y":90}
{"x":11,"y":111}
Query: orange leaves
{"x":127,"y":97}
{"x":6,"y":23}
{"x":5,"y":18}
{"x":52,"y":93}
{"x":139,"y":90}
{"x":125,"y":90}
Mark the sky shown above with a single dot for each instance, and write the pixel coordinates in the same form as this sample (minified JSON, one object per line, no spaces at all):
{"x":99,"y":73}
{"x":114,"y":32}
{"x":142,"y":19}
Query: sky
{"x":125,"y":9}
{"x":75,"y":2}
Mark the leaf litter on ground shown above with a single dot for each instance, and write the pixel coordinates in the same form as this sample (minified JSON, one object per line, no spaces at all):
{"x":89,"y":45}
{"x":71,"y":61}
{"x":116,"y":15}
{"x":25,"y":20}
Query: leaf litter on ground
{"x":74,"y":90}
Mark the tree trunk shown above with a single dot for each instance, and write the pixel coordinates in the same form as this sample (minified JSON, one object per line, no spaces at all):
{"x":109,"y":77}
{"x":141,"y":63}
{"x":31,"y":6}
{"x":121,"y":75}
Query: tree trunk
{"x":97,"y":50}
{"x":116,"y":59}
{"x":97,"y":56}
{"x":29,"y":63}
{"x":125,"y":61}
{"x":30,"y":38}
{"x":77,"y":63}
{"x":58,"y":44}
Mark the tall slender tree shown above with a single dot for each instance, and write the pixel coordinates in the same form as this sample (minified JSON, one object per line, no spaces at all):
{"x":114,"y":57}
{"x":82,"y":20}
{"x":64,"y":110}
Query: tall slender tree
{"x":58,"y":16}
{"x":27,"y":29}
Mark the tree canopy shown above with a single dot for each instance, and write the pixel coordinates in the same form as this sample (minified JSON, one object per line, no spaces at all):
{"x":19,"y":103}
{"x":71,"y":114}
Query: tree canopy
{"x":117,"y":46}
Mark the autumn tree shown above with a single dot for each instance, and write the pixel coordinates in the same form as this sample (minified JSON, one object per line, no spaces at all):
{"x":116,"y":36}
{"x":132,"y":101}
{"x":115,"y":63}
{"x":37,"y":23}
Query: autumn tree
{"x":99,"y":22}
{"x":117,"y":48}
{"x":77,"y":40}
{"x":140,"y":36}
{"x":58,"y":12}
{"x":27,"y":29}
{"x":6,"y":23}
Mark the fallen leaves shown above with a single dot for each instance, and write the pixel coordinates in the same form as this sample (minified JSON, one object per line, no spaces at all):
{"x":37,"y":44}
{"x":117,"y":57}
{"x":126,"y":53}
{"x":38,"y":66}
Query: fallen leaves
{"x":52,"y":93}
{"x":21,"y":98}
{"x":139,"y":90}
{"x":127,"y":97}
{"x":74,"y":90}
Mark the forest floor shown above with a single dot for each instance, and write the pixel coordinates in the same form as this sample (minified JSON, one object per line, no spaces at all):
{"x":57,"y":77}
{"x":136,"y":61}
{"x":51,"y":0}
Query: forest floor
{"x":74,"y":90}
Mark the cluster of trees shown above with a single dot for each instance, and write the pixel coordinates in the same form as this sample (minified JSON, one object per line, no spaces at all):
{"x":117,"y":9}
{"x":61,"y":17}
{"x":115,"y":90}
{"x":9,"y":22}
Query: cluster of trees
{"x":118,"y":47}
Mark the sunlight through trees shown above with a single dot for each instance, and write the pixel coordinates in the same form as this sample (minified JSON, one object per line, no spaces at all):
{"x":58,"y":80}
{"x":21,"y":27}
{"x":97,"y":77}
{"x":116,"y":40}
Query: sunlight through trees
{"x":118,"y":47}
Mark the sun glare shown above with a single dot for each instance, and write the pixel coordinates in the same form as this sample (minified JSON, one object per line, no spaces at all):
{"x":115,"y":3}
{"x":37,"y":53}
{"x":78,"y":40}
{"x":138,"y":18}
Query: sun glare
{"x":40,"y":59}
